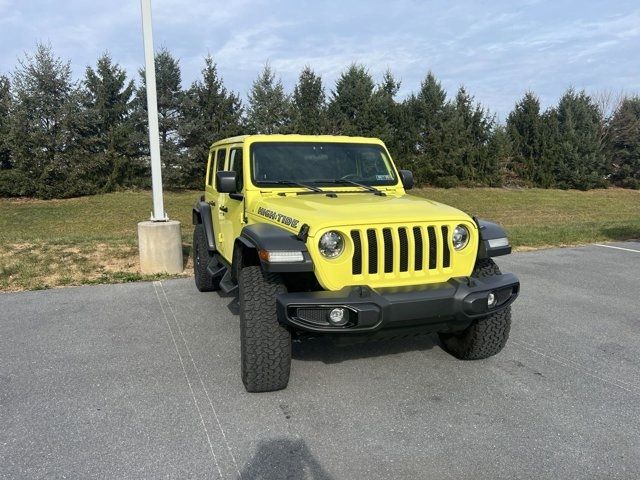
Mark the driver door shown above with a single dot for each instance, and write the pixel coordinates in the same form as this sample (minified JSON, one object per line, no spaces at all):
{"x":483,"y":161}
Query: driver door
{"x":232,"y":218}
{"x":217,"y":160}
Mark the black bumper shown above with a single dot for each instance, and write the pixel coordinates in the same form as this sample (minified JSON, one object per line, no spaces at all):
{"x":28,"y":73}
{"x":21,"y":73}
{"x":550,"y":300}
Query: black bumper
{"x":449,"y":305}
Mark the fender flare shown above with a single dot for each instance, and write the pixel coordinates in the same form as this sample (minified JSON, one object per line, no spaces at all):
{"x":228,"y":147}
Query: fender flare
{"x":264,"y":236}
{"x":490,"y":232}
{"x":202,"y":215}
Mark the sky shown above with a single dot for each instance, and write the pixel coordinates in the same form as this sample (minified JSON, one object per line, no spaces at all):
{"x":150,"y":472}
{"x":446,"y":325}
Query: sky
{"x":497,"y":49}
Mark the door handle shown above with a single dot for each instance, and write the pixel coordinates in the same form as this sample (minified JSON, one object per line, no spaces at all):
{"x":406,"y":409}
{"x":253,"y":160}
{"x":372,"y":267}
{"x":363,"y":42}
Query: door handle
{"x":212,"y":203}
{"x":224,"y":209}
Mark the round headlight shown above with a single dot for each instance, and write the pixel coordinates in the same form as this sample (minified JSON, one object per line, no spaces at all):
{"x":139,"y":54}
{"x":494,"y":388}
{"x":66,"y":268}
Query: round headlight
{"x":331,"y":244}
{"x":460,"y":237}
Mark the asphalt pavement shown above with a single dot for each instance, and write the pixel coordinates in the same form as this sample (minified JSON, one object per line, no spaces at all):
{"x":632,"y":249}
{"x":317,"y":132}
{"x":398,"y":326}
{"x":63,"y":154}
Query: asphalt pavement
{"x":142,"y":380}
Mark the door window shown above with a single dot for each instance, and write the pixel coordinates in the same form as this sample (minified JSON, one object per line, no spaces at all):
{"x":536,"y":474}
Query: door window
{"x":220,"y":157}
{"x":235,"y":165}
{"x":210,"y":172}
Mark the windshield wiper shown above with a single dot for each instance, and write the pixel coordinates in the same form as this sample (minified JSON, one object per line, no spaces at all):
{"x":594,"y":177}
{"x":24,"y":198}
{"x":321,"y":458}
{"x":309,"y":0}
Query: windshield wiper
{"x":343,"y":181}
{"x":298,"y":184}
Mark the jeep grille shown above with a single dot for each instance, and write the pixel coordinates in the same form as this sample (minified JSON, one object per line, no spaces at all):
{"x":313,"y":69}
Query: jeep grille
{"x":389,"y":249}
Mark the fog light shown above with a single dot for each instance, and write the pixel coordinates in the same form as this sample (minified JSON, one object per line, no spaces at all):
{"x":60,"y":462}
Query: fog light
{"x":491,"y":300}
{"x":337,"y":317}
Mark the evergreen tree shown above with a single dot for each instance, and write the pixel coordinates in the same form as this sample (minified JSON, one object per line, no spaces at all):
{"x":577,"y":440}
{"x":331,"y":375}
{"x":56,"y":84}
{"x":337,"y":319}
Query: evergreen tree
{"x":210,"y":113}
{"x":269,"y":106}
{"x":308,"y":104}
{"x":524,"y":126}
{"x":5,"y":123}
{"x":108,"y":138}
{"x":574,"y":144}
{"x":43,"y":132}
{"x":176,"y":172}
{"x":623,"y":143}
{"x":386,"y":111}
{"x":500,"y":152}
{"x":350,"y":108}
{"x":469,"y":127}
{"x":422,"y":135}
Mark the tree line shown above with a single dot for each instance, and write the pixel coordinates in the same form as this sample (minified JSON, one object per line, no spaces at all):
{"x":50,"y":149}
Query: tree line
{"x":61,"y":138}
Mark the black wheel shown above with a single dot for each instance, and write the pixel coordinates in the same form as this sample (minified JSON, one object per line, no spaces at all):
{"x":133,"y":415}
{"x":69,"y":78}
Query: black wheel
{"x":265,"y":344}
{"x":486,"y":336}
{"x":201,"y":257}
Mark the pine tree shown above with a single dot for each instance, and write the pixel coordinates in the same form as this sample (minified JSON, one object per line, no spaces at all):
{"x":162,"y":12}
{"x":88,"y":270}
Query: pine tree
{"x":386,"y":111}
{"x":175,"y":172}
{"x":5,"y":123}
{"x":46,"y":110}
{"x":422,"y":134}
{"x":524,"y":126}
{"x":269,"y":106}
{"x":309,"y":104}
{"x":470,"y":127}
{"x":109,"y":137}
{"x":623,"y":143}
{"x":574,"y":143}
{"x":350,"y":108}
{"x":209,"y":113}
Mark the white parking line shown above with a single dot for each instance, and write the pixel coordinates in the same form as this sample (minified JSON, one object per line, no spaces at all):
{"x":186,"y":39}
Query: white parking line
{"x":215,"y":414}
{"x":184,"y":370}
{"x":617,"y":248}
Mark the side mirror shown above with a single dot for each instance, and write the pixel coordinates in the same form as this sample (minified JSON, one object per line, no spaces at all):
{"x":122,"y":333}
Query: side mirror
{"x":407,"y":179}
{"x":226,"y":182}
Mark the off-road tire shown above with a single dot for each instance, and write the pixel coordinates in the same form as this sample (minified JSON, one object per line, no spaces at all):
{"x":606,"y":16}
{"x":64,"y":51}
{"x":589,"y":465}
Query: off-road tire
{"x":201,"y":256}
{"x":486,"y":336}
{"x":265,"y":344}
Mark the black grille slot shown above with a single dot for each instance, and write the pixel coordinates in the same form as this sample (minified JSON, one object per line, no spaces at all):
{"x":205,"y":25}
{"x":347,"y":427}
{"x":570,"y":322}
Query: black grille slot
{"x":404,"y":249}
{"x":317,"y":316}
{"x":373,"y":250}
{"x":388,"y":250}
{"x":417,"y":237}
{"x":433,"y":248}
{"x":446,"y":254}
{"x":356,"y":265}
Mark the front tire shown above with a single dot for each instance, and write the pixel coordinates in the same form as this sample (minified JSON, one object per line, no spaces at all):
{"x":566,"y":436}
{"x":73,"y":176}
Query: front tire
{"x":201,"y":256}
{"x":486,"y":336}
{"x":264,"y":343}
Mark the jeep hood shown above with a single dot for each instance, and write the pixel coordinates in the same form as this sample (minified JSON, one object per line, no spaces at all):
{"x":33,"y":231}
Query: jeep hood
{"x":350,"y":209}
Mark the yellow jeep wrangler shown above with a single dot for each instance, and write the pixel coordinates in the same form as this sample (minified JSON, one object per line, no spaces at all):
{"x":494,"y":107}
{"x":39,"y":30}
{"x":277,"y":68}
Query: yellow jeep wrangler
{"x":319,"y":237}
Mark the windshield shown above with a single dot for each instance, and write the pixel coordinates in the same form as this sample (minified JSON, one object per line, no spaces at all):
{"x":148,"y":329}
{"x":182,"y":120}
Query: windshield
{"x":275,"y":163}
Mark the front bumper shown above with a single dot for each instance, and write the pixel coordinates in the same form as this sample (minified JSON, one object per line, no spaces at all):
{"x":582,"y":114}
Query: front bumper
{"x":452,"y":304}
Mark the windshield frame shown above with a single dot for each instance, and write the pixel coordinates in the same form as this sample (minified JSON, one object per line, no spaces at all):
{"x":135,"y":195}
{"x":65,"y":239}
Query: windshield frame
{"x":393,"y":183}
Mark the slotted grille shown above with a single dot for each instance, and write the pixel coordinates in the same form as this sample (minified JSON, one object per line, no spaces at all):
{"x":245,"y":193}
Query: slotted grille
{"x":417,"y":236}
{"x":388,"y":250}
{"x":421,"y":249}
{"x":446,"y":254}
{"x":404,"y":249}
{"x":373,"y":250}
{"x":356,"y":264}
{"x":433,"y":248}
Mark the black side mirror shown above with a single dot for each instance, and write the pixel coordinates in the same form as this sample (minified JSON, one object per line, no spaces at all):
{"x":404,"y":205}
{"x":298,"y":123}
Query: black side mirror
{"x":226,"y":182}
{"x":407,"y":179}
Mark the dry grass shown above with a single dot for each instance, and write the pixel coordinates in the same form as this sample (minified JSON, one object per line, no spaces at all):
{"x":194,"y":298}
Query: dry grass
{"x":55,"y":243}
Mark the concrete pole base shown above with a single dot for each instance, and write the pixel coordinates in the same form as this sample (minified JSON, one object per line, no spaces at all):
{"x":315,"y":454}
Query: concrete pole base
{"x":160,"y":247}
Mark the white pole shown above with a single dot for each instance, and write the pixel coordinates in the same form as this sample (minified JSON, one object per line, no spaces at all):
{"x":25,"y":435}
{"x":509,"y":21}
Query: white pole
{"x":152,"y":107}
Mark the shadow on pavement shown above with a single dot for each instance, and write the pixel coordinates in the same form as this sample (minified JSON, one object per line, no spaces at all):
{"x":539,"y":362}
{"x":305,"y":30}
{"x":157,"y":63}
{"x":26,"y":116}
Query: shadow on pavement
{"x":283,"y":458}
{"x":328,"y":351}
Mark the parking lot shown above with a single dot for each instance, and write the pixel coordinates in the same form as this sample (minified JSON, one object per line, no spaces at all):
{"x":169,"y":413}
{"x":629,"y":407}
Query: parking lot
{"x":142,"y":380}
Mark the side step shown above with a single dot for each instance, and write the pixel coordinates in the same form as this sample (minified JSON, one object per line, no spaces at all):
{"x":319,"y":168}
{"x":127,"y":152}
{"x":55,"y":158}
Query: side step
{"x":226,"y":284}
{"x":215,"y":268}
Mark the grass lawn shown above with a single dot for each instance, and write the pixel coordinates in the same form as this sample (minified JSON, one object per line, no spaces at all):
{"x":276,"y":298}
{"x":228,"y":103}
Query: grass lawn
{"x":93,"y":239}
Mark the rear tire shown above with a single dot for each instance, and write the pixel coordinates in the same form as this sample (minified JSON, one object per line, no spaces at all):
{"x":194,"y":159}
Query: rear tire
{"x":486,"y":336}
{"x":264,"y":343}
{"x":201,"y":256}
